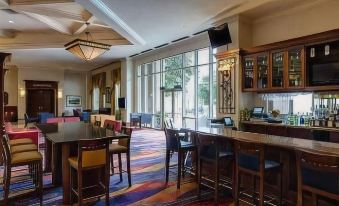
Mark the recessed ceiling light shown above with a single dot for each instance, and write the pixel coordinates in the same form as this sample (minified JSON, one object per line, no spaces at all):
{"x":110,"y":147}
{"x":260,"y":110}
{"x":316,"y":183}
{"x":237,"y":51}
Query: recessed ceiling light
{"x":11,"y":22}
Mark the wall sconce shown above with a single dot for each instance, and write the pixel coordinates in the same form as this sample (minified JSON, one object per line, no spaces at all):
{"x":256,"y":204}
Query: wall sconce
{"x":22,"y":92}
{"x":59,"y":93}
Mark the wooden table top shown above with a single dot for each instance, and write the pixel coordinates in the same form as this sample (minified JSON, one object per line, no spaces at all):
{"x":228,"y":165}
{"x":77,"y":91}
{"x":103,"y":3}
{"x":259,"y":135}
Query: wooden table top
{"x":75,"y":131}
{"x":272,"y":140}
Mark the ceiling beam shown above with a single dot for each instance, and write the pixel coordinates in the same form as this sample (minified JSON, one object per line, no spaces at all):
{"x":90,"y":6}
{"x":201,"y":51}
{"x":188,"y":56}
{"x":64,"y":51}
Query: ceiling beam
{"x":84,"y":26}
{"x":6,"y":33}
{"x":50,"y":22}
{"x":35,"y":2}
{"x":49,"y":11}
{"x":4,"y":4}
{"x":103,"y":12}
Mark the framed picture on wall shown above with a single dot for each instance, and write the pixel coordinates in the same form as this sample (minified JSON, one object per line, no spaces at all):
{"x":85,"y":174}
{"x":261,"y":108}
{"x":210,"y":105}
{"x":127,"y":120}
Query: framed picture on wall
{"x":108,"y":94}
{"x":73,"y":101}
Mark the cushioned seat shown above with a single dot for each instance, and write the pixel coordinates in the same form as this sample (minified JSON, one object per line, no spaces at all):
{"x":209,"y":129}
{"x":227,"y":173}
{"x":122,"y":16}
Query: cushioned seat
{"x":23,"y":148}
{"x":327,"y":181}
{"x":251,"y":162}
{"x":116,"y":148}
{"x":89,"y":159}
{"x":208,"y":152}
{"x":20,"y":141}
{"x":24,"y":157}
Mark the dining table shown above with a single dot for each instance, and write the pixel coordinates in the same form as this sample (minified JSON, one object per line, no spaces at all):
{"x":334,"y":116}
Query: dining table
{"x":61,"y":142}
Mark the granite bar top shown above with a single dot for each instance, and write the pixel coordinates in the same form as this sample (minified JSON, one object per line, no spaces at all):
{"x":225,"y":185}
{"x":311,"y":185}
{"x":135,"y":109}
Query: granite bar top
{"x":272,"y":140}
{"x":330,"y":129}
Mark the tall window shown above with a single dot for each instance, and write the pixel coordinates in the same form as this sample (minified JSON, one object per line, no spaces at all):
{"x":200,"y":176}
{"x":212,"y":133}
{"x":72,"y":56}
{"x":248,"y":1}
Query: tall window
{"x":195,"y":72}
{"x":96,"y":98}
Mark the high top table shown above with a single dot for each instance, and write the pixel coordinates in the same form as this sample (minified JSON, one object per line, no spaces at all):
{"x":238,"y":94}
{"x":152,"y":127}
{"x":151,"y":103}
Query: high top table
{"x":66,"y":136}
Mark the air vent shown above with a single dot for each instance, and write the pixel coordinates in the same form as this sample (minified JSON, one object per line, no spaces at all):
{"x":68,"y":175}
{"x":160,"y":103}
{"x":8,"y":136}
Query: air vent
{"x":134,"y":55}
{"x":9,"y":11}
{"x":146,"y":51}
{"x":162,"y":45}
{"x":180,"y":39}
{"x":200,"y":32}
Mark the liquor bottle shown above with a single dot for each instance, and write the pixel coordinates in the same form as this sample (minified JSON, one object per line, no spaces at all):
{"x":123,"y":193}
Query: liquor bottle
{"x":302,"y":120}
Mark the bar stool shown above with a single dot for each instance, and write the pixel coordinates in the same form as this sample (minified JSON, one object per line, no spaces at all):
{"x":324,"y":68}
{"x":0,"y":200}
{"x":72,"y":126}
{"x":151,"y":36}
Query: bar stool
{"x":318,"y":174}
{"x":32,"y":159}
{"x":123,"y":146}
{"x":250,"y":159}
{"x":210,"y":150}
{"x":175,"y":144}
{"x":92,"y":155}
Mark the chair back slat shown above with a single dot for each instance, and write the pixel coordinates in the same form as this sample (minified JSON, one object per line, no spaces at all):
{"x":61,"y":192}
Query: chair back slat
{"x":250,"y":155}
{"x":172,"y":139}
{"x":318,"y":161}
{"x":93,"y":153}
{"x":126,"y":141}
{"x":208,"y":145}
{"x":6,"y":154}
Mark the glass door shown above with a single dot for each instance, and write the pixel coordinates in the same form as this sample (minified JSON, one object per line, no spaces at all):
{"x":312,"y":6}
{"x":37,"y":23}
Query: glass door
{"x":262,"y":71}
{"x":248,"y":73}
{"x":278,"y":69}
{"x":295,"y":69}
{"x":172,"y":106}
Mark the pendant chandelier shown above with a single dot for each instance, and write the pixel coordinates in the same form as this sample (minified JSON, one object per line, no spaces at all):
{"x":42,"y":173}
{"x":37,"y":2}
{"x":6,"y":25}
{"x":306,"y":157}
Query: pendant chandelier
{"x":85,"y":49}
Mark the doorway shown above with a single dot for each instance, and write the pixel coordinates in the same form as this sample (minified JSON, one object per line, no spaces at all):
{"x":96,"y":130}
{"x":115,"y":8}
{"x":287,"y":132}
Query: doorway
{"x":172,"y":106}
{"x":40,"y":100}
{"x":41,"y":97}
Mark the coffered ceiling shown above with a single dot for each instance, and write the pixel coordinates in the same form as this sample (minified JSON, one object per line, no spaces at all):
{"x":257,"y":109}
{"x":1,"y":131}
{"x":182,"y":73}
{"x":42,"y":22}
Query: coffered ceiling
{"x":35,"y":31}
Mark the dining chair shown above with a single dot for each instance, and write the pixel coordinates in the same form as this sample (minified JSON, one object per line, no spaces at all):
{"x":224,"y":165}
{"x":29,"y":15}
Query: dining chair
{"x":109,"y":124}
{"x":92,"y":155}
{"x":122,"y":147}
{"x":212,"y":151}
{"x":175,"y":144}
{"x":317,"y":174}
{"x":250,"y":160}
{"x":32,"y":159}
{"x":30,"y":119}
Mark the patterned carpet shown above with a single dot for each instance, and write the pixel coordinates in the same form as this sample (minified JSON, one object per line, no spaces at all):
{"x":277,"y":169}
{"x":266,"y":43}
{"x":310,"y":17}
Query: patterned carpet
{"x":148,"y":179}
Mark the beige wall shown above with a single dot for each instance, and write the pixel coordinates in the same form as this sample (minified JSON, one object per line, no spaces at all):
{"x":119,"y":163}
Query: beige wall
{"x":75,"y":84}
{"x":11,"y":86}
{"x":301,"y":21}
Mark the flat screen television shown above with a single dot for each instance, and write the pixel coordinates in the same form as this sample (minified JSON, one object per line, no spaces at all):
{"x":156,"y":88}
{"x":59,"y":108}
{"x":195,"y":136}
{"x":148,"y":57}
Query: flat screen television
{"x":122,"y":102}
{"x":324,"y":74}
{"x":228,"y":121}
{"x":219,"y":36}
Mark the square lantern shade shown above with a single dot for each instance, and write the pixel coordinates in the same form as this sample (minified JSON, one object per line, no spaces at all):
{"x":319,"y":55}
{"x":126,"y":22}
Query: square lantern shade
{"x":86,"y":50}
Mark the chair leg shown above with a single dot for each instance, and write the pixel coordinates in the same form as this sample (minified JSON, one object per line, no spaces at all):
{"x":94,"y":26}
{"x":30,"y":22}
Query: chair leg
{"x":216,"y":184}
{"x":120,"y":167}
{"x":281,"y":186}
{"x":107,"y":178}
{"x":72,"y":185}
{"x":196,"y":165}
{"x":237,"y":187}
{"x":254,"y":199}
{"x":128,"y":159}
{"x":7,"y":183}
{"x":199,"y":178}
{"x":261,"y":190}
{"x":112,"y":163}
{"x":179,"y":168}
{"x":40,"y":182}
{"x":167,"y":165}
{"x":79,"y":188}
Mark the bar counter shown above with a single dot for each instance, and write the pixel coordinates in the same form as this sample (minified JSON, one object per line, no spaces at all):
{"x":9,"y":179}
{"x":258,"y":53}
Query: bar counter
{"x":274,"y":140}
{"x":278,"y":148}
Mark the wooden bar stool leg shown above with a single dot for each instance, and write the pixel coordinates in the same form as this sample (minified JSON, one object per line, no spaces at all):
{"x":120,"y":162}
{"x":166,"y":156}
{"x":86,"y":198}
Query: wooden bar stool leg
{"x":72,"y":185}
{"x":112,"y":163}
{"x":167,"y":164}
{"x":196,"y":166}
{"x":41,"y":182}
{"x":128,"y":159}
{"x":179,"y":168}
{"x":120,"y":167}
{"x":199,"y":177}
{"x":7,"y":183}
{"x":281,"y":186}
{"x":261,"y":190}
{"x":237,"y":185}
{"x":79,"y":188}
{"x":106,"y":178}
{"x":254,"y":188}
{"x":216,"y":183}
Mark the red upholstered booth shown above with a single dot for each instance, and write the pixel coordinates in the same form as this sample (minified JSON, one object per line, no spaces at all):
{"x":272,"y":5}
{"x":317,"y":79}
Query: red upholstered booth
{"x":17,"y":133}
